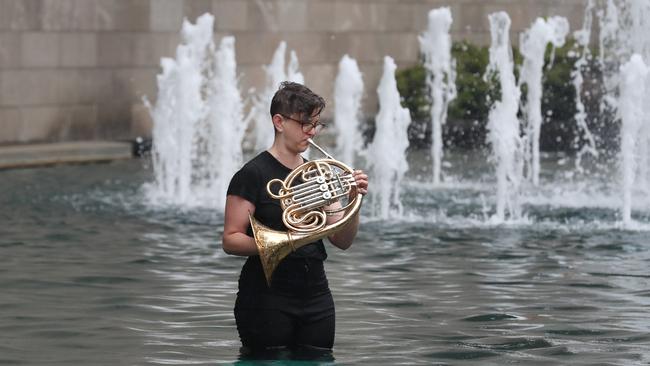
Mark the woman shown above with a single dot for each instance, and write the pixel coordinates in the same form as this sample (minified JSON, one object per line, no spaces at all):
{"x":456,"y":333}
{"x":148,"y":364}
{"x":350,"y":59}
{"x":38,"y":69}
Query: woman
{"x":297,"y":309}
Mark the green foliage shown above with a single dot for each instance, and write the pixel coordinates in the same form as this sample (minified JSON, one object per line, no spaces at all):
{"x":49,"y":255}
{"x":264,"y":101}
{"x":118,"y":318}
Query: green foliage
{"x":468,"y":113}
{"x":558,"y":99}
{"x":474,"y":93}
{"x":411,"y":83}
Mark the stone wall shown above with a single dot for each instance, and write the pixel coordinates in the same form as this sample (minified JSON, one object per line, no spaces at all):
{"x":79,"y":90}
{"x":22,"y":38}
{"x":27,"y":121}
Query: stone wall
{"x":77,"y":69}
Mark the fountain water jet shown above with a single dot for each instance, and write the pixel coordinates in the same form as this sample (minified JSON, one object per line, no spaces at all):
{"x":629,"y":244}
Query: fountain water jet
{"x":435,"y":45}
{"x":275,"y":74}
{"x":623,"y":40}
{"x":583,"y":37}
{"x":503,"y":124}
{"x":198,"y":125}
{"x":388,"y":148}
{"x":348,"y":92}
{"x":532,"y":44}
{"x":633,"y":92}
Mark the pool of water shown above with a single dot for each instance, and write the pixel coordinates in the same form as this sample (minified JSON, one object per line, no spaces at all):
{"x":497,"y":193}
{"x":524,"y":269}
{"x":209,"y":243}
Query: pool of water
{"x":94,"y":274}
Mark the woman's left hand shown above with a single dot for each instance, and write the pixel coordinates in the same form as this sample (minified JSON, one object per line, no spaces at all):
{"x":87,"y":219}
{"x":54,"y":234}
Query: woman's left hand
{"x":362,"y":181}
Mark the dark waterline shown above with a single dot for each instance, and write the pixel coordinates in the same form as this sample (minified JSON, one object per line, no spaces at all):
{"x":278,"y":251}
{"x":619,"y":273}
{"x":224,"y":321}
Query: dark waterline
{"x":92,"y":274}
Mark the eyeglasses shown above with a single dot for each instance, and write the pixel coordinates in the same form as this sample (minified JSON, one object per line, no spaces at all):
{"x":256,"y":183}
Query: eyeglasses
{"x":307,"y":126}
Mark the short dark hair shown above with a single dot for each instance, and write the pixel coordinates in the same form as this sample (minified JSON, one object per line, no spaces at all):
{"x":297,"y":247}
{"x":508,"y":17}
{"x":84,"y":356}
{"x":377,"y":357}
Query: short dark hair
{"x":296,"y":98}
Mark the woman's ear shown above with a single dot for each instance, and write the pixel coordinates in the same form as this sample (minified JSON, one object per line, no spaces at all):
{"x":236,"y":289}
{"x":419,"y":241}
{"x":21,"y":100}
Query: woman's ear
{"x":278,"y":122}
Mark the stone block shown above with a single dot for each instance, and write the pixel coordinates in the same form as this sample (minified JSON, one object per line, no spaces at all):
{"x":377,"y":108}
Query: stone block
{"x":68,"y":15}
{"x":252,"y":76}
{"x":320,"y":79}
{"x":115,"y":49}
{"x":149,"y":48}
{"x":29,"y":87}
{"x":61,"y":15}
{"x":403,"y":47}
{"x":338,"y":44}
{"x":256,"y":48}
{"x":360,"y":16}
{"x":20,"y":14}
{"x":400,"y":16}
{"x":94,"y":85}
{"x":141,"y":121}
{"x":320,"y":15}
{"x":102,"y":14}
{"x":49,"y":123}
{"x":82,"y":122}
{"x":364,"y":47}
{"x":310,"y":47}
{"x":261,"y":16}
{"x":78,"y":49}
{"x":193,"y":9}
{"x":67,"y":83}
{"x":348,"y":16}
{"x":114,"y":120}
{"x":39,"y":49}
{"x":166,"y":15}
{"x":474,"y":17}
{"x":39,"y":87}
{"x":131,"y":15}
{"x":11,"y":124}
{"x":230,"y":15}
{"x":291,"y":15}
{"x":278,"y":15}
{"x":10,"y":50}
{"x":372,"y":73}
{"x":133,"y":84}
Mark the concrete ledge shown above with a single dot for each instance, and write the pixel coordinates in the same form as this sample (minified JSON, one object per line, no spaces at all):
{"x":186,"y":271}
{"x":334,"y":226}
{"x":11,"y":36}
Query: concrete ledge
{"x":21,"y":156}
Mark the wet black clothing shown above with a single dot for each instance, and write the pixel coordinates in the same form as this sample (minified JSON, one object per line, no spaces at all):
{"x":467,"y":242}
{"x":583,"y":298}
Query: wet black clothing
{"x":298,"y":307}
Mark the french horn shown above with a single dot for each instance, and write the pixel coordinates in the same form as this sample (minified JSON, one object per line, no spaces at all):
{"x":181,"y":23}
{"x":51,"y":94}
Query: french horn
{"x":306,"y":196}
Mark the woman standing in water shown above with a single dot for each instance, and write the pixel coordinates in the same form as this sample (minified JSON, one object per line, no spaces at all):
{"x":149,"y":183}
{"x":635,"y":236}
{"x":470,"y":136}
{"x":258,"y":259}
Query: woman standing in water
{"x":297,"y":309}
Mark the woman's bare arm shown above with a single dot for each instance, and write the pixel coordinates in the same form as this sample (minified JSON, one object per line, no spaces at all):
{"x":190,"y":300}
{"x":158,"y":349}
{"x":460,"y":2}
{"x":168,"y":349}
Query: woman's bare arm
{"x":235,"y":241}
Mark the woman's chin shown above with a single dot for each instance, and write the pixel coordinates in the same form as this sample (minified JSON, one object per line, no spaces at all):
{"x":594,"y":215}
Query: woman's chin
{"x":303,"y":146}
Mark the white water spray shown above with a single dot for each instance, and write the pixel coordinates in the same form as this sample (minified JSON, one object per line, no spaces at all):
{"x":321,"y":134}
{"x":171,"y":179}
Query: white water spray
{"x":388,"y":148}
{"x":276,"y":73}
{"x":639,"y":38}
{"x":614,"y":50}
{"x":225,"y":121}
{"x":348,"y":92}
{"x":198,"y":123}
{"x":532,"y":44}
{"x":435,"y":45}
{"x":293,"y":69}
{"x":631,"y":112}
{"x":503,"y":125}
{"x":625,"y":31}
{"x":583,"y":37}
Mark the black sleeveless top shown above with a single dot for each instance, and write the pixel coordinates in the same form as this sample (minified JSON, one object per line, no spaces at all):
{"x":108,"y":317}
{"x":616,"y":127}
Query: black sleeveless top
{"x":250,"y":183}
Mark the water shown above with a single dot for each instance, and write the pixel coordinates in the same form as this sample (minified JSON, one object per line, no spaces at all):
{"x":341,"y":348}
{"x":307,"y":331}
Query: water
{"x":532,"y":44}
{"x":91,"y":274}
{"x":435,"y":45}
{"x":624,"y":55}
{"x":582,"y":38}
{"x":348,"y":93}
{"x":633,"y":75}
{"x":503,"y":123}
{"x":475,"y":270}
{"x":386,"y":155}
{"x":198,"y":120}
{"x":276,"y":72}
